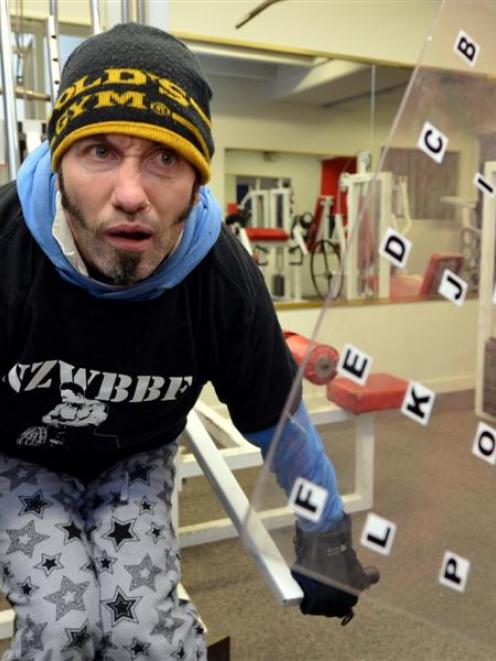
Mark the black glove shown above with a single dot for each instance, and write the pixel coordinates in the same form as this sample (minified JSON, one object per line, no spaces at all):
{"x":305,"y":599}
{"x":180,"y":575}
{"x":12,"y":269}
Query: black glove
{"x":330,"y":555}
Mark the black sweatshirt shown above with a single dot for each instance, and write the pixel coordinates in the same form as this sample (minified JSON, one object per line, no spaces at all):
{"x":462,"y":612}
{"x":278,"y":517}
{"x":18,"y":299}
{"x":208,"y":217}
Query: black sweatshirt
{"x":85,"y":382}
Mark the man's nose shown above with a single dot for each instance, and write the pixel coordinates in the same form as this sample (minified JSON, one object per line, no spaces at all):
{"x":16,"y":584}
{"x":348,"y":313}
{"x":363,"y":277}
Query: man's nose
{"x":129,"y":193}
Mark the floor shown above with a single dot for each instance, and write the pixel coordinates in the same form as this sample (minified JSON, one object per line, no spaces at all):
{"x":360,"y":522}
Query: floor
{"x":439,"y":495}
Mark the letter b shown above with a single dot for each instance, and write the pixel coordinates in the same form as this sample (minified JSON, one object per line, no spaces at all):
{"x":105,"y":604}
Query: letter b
{"x":467,"y":48}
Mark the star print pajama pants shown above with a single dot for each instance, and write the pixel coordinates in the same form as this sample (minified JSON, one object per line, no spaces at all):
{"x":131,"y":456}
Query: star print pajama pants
{"x":92,"y":570}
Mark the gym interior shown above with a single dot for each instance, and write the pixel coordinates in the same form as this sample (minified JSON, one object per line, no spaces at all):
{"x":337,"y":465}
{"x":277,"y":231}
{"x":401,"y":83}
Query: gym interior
{"x":355,"y":161}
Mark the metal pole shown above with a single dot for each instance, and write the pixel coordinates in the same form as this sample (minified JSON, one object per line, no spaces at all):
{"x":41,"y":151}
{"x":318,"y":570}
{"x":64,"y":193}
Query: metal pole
{"x":53,"y":56}
{"x":29,"y":95}
{"x":141,"y":11}
{"x":125,"y":13}
{"x":259,"y":543}
{"x":54,"y":13}
{"x":95,"y":17}
{"x":9,"y":103}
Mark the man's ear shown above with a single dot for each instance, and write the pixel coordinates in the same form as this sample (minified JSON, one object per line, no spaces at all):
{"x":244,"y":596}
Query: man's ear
{"x":196,"y":192}
{"x":58,"y":176}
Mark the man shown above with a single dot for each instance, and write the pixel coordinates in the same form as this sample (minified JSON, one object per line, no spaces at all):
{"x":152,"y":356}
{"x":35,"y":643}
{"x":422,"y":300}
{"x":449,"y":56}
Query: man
{"x":121,"y":293}
{"x":74,"y":410}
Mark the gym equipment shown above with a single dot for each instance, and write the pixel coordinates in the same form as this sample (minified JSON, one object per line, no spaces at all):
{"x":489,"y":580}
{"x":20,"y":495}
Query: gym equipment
{"x":370,"y":210}
{"x":407,"y":286}
{"x":325,"y":268}
{"x":317,"y":231}
{"x":362,"y":275}
{"x":8,"y":96}
{"x":430,"y":529}
{"x":342,"y":403}
{"x":470,"y":239}
{"x":485,"y":381}
{"x":320,"y":361}
{"x":267,"y":233}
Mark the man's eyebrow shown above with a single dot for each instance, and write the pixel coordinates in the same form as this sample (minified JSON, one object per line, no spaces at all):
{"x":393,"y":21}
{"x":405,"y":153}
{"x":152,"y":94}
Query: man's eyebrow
{"x":104,"y":137}
{"x":97,"y":137}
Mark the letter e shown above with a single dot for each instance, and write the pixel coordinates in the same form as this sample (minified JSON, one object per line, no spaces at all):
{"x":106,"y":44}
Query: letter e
{"x":354,"y":364}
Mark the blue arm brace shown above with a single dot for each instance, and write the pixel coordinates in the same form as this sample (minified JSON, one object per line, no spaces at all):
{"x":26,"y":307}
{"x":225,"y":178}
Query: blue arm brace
{"x":300,"y":453}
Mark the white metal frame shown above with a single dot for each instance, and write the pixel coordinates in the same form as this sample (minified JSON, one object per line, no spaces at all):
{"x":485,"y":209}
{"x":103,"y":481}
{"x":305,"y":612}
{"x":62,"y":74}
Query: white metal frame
{"x":486,"y":325}
{"x":278,"y":250}
{"x":260,"y":208}
{"x":258,"y":542}
{"x":284,"y":194}
{"x":327,"y":202}
{"x":217,"y":465}
{"x":6,"y":623}
{"x":264,"y":215}
{"x":354,"y":183}
{"x":238,"y":453}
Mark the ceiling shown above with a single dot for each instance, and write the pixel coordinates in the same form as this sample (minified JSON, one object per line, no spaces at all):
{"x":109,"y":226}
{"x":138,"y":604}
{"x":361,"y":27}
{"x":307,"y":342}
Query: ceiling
{"x":302,"y":79}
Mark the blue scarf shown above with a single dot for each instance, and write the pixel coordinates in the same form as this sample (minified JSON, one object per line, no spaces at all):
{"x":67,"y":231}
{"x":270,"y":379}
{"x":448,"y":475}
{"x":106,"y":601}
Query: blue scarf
{"x":36,"y":187}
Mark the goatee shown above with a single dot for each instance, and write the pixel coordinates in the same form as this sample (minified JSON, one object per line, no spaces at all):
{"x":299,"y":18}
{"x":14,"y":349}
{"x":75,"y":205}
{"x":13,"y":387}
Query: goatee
{"x":124,"y":270}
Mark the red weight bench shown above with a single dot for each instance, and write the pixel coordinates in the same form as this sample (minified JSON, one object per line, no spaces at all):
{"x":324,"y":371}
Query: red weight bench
{"x":346,"y":400}
{"x":380,"y":392}
{"x":350,"y":401}
{"x":406,"y":286}
{"x":267,"y":235}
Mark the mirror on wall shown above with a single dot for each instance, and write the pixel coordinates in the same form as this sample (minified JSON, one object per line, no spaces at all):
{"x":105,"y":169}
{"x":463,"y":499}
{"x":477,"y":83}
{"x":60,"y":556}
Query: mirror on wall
{"x":299,"y":139}
{"x":319,"y":128}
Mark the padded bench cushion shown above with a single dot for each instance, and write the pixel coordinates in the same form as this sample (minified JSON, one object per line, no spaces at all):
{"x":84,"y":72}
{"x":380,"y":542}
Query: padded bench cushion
{"x":266,"y":234}
{"x":380,"y":392}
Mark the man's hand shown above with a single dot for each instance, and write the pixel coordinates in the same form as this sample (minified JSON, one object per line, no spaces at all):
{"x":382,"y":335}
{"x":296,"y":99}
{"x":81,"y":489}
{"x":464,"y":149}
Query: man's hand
{"x":330,"y":555}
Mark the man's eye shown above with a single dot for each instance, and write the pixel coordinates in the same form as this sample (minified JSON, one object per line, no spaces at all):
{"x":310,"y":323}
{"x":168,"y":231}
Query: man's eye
{"x":100,"y":151}
{"x":168,"y":157}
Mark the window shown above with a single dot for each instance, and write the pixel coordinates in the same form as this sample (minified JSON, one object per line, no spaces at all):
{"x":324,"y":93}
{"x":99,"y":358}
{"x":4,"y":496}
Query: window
{"x":428,"y":182}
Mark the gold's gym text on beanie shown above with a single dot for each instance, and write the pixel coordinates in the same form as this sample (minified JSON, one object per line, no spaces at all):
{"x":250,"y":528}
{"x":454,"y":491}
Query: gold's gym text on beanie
{"x":136,"y":80}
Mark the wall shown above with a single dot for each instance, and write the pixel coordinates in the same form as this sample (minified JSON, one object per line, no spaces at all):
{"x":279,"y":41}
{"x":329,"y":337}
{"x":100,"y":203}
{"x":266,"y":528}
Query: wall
{"x":279,"y":25}
{"x":70,"y":11}
{"x":246,"y":117}
{"x":303,"y":170}
{"x":389,"y":31}
{"x":431,"y":342}
{"x":384,"y":30}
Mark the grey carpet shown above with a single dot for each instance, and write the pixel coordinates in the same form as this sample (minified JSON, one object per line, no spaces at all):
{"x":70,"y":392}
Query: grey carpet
{"x":440,"y":496}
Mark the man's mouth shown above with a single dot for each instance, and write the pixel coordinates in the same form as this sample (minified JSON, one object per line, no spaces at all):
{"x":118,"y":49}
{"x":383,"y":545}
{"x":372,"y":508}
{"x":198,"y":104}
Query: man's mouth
{"x":130,"y":237}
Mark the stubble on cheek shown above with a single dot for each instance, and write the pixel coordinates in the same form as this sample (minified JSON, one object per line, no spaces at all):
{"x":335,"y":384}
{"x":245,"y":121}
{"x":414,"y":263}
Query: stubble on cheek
{"x":112,"y":265}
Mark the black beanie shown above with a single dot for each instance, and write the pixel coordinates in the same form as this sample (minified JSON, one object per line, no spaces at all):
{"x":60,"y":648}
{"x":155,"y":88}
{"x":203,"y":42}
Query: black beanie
{"x":140,"y":81}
